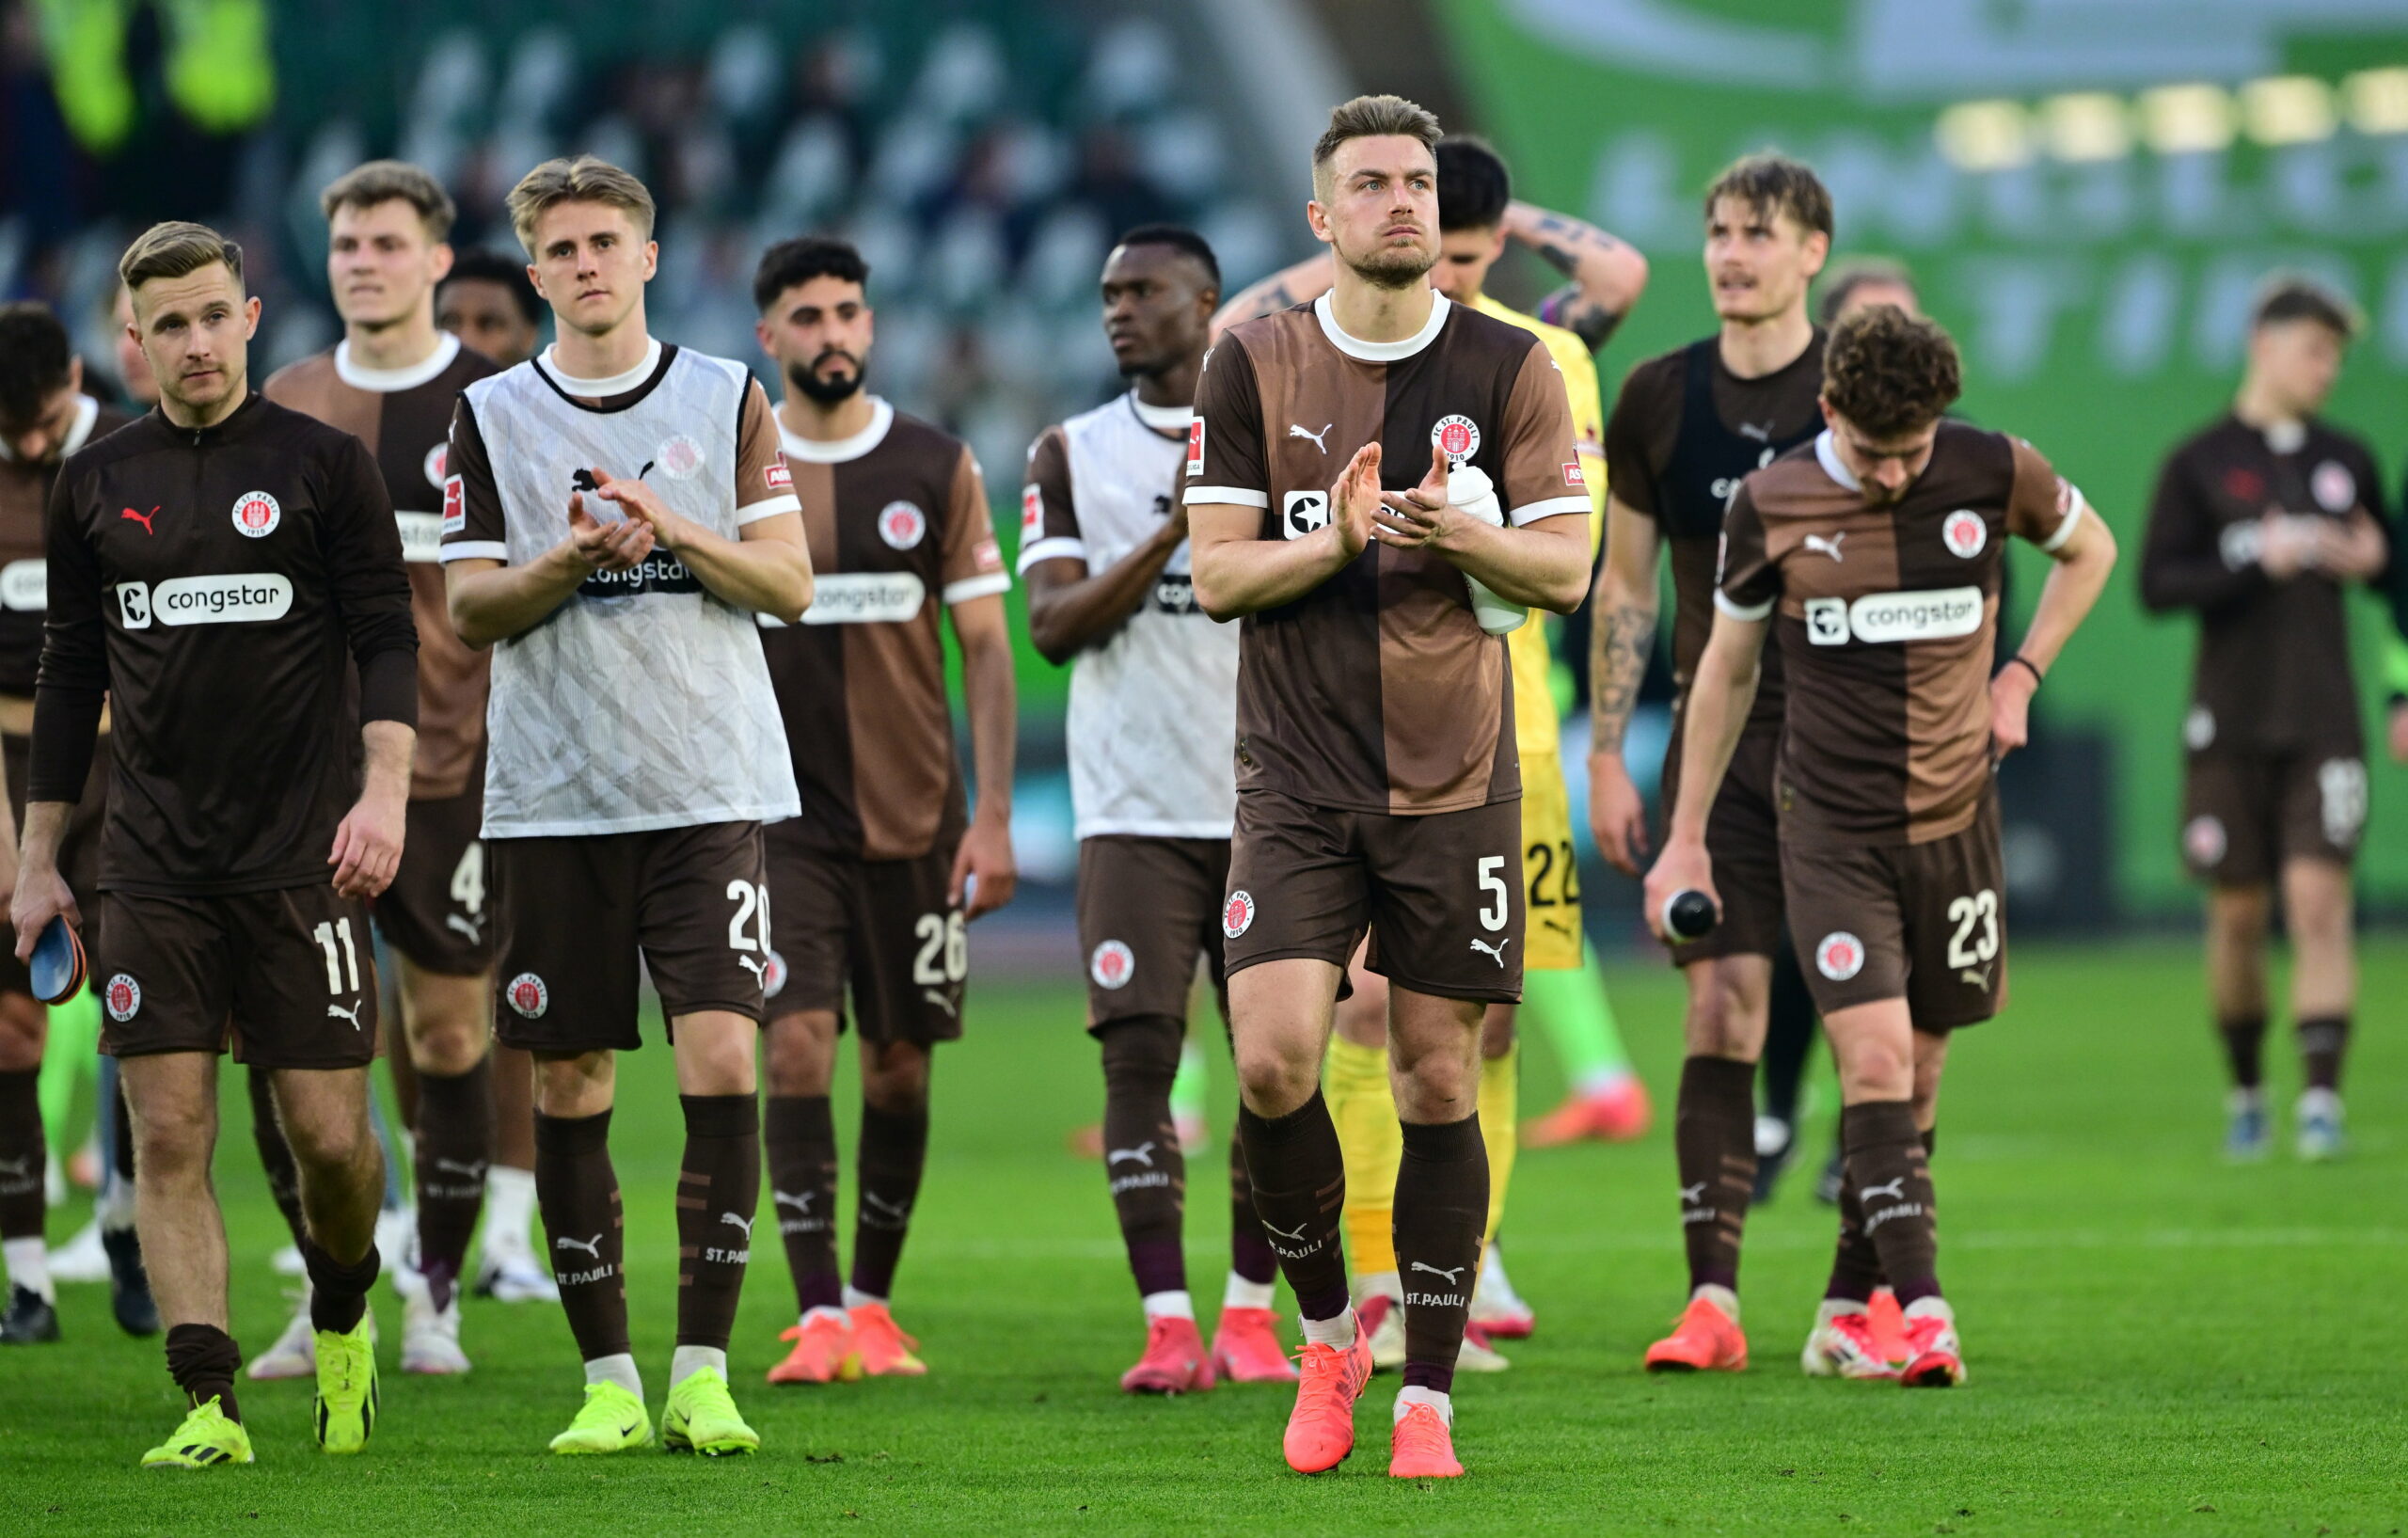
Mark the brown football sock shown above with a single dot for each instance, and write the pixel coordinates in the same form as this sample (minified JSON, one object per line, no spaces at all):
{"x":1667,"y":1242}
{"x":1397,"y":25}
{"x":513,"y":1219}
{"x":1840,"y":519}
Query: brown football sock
{"x":1891,"y":1175}
{"x":275,"y":1157}
{"x":718,"y":1190}
{"x":1441,"y":1207}
{"x":1142,"y":1160}
{"x":455,"y":1148}
{"x":24,"y":1157}
{"x":203,"y":1359}
{"x":578,"y":1193}
{"x":1299,"y":1177}
{"x":1250,"y":1253}
{"x":894,"y":1151}
{"x":339,"y":1292}
{"x":2244,"y":1049}
{"x":799,"y":1131}
{"x":1855,"y":1269}
{"x":2323,"y":1041}
{"x":1714,"y":1143}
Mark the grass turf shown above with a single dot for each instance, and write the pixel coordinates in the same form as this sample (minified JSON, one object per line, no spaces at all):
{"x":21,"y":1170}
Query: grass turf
{"x":2158,"y":1342}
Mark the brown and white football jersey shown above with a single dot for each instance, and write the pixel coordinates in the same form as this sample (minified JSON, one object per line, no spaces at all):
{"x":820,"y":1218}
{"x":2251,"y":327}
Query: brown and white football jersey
{"x":1378,"y":692}
{"x":1886,"y":617}
{"x":25,"y":498}
{"x":896,"y":517}
{"x":404,"y":416}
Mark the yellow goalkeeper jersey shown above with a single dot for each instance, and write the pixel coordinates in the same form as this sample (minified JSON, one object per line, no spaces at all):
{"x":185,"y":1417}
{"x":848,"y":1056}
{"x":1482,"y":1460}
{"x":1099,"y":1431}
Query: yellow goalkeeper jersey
{"x":1534,"y":719}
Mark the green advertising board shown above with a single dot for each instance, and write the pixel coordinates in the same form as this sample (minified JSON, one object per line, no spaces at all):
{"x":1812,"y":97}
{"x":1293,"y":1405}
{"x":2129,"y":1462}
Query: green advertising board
{"x":2087,"y":192}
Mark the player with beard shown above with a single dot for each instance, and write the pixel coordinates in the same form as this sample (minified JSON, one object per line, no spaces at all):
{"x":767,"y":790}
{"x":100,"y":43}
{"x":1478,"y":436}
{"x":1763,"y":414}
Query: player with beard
{"x":1875,"y":557}
{"x":486,"y":302}
{"x":392,"y":383}
{"x":44,"y":417}
{"x":1687,"y":426}
{"x":1378,"y":782}
{"x":871,"y":887}
{"x":268,"y":552}
{"x":1477,"y":218}
{"x":2259,"y":523}
{"x":1153,"y":704}
{"x":633,"y":751}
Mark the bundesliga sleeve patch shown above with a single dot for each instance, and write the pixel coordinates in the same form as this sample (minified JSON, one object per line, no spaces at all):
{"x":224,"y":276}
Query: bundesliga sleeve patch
{"x":455,"y":507}
{"x":1032,"y":511}
{"x":1196,"y":447}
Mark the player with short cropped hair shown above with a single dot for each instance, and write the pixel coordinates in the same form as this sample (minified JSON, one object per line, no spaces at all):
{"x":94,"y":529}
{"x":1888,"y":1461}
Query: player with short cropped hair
{"x":45,"y":416}
{"x":2259,"y":523}
{"x":615,"y":513}
{"x":487,"y":302}
{"x":1687,"y":426}
{"x":872,"y":886}
{"x":392,"y":383}
{"x":1875,"y":557}
{"x":1153,"y":703}
{"x":220,"y":542}
{"x":1333,"y":503}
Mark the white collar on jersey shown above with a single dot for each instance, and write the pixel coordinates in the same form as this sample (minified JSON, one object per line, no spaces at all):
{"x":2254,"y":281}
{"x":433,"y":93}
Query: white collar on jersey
{"x":87,"y":411}
{"x":599,"y":389}
{"x":837,"y":451}
{"x":1826,"y":451}
{"x":1163,"y":419}
{"x":390,"y":381}
{"x":1382,"y":352}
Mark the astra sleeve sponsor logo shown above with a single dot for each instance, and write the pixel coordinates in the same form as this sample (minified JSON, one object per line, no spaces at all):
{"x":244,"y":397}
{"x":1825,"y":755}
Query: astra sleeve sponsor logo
{"x":1879,"y":618}
{"x":251,"y":597}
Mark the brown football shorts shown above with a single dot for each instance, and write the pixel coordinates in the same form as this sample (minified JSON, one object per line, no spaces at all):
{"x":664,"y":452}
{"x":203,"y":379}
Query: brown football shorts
{"x":572,"y":915}
{"x":1922,"y":922}
{"x":287,"y":978}
{"x":2245,"y":814}
{"x":434,"y":911}
{"x":1440,"y":892}
{"x":1148,"y":910}
{"x":1742,"y":837}
{"x":881,"y":927}
{"x":79,"y":853}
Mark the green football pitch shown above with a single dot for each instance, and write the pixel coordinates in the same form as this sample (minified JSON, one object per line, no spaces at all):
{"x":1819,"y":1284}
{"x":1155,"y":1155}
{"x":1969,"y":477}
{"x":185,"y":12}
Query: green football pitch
{"x":2158,"y":1342}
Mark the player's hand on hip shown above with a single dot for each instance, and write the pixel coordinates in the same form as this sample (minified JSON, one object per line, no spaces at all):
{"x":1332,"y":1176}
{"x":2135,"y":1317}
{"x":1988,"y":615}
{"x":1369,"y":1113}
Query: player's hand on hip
{"x":984,"y":871}
{"x":1617,"y":816}
{"x":1684,"y":866}
{"x":367,"y":845}
{"x":643,"y":505}
{"x":40,"y":896}
{"x":606,"y":547}
{"x":1412,"y":519}
{"x":1355,"y":498}
{"x":2011,"y":690}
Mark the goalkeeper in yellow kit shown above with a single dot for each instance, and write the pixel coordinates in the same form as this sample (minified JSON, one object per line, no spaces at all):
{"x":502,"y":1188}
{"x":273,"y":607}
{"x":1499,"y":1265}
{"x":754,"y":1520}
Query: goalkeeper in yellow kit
{"x":1477,"y":215}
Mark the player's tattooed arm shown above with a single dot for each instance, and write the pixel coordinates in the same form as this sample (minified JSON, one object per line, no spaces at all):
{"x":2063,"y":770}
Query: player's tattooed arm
{"x":1608,"y":275}
{"x":984,"y":869}
{"x":1622,"y":638}
{"x":1283,"y":290}
{"x":1720,"y":698}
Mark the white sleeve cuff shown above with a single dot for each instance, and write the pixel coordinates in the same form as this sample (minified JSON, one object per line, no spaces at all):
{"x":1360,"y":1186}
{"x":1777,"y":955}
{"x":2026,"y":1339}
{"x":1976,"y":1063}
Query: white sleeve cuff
{"x":474,"y":549}
{"x":1233,"y":496}
{"x":768,"y":507}
{"x":2064,"y":526}
{"x":985,"y":585}
{"x":1530,"y":513}
{"x":1724,"y":604}
{"x":1059,"y":548}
